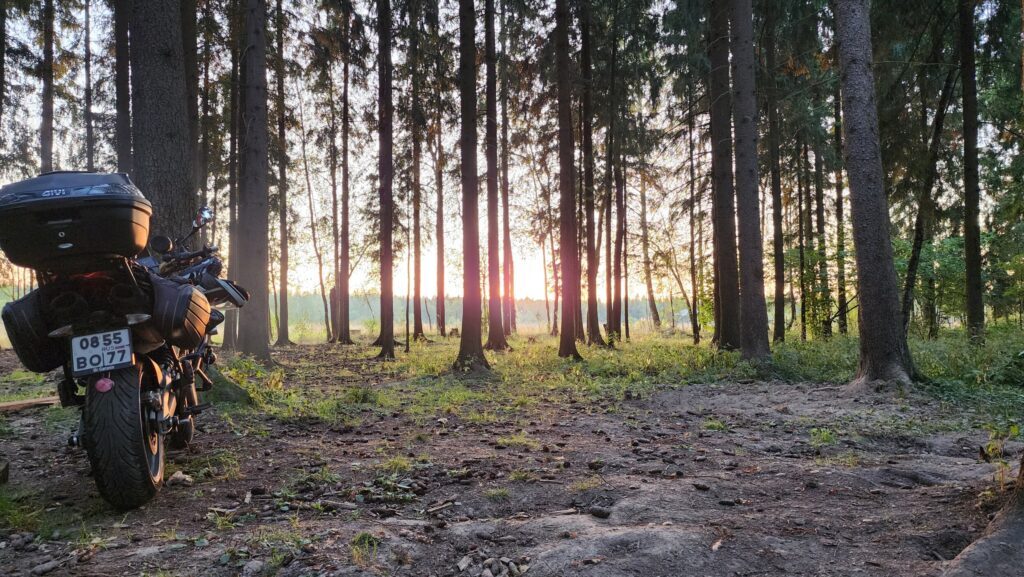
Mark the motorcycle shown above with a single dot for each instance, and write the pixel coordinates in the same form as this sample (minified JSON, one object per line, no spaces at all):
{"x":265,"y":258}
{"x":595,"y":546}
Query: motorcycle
{"x":131,"y":333}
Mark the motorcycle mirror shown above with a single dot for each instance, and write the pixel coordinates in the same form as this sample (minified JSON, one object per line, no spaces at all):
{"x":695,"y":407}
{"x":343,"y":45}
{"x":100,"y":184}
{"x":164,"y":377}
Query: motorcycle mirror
{"x":203,"y":216}
{"x":161,"y":244}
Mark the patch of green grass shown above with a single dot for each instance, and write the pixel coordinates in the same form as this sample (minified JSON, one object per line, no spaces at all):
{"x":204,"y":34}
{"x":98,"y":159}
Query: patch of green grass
{"x":713,"y":424}
{"x":519,"y":440}
{"x":217,"y":465}
{"x":395,"y":465}
{"x":497,"y":494}
{"x":521,"y":476}
{"x":363,"y":549}
{"x":823,"y":437}
{"x":588,"y":484}
{"x":20,"y":509}
{"x":19,"y":385}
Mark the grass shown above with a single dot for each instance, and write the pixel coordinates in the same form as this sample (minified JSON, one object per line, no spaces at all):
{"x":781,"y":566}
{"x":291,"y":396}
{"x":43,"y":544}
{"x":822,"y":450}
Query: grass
{"x":519,"y":440}
{"x":823,"y":437}
{"x":497,"y":494}
{"x":19,"y":385}
{"x":985,"y":380}
{"x":363,"y":549}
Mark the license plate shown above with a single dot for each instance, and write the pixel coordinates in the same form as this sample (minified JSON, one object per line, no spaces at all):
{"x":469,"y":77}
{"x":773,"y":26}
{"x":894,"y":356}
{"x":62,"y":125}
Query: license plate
{"x":101,"y":352}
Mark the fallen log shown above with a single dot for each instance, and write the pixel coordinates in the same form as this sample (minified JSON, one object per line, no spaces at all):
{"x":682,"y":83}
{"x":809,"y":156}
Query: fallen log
{"x":12,"y":406}
{"x":999,"y":550}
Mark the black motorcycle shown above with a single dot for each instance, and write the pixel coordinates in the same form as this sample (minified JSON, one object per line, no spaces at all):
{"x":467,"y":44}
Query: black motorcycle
{"x":131,"y":333}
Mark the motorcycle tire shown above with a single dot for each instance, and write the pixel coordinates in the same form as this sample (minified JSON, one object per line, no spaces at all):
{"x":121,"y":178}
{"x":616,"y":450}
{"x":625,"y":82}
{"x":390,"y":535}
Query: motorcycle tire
{"x":126,"y":454}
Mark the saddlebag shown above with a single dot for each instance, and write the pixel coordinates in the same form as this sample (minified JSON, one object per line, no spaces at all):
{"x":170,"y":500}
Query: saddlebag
{"x":26,"y":329}
{"x":180,"y":312}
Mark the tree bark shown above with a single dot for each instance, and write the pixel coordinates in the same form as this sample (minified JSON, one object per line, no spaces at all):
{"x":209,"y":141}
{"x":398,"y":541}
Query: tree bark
{"x":190,"y":53}
{"x":566,"y":185}
{"x":163,"y":153}
{"x":972,"y":193}
{"x":46,"y":73}
{"x":753,"y":313}
{"x":586,"y":62}
{"x":778,"y":243}
{"x":343,"y":330}
{"x":843,"y":305}
{"x":232,"y":103}
{"x":728,"y":291}
{"x":924,"y":222}
{"x":645,"y":243}
{"x":884,"y":354}
{"x":471,"y":354}
{"x":508,"y":270}
{"x":253,"y":205}
{"x":439,"y":167}
{"x":824,"y":292}
{"x":3,"y":59}
{"x":122,"y":87}
{"x":416,"y":132}
{"x":283,"y":336}
{"x":385,"y":137}
{"x":90,"y":139}
{"x":694,"y":301}
{"x":495,"y":318}
{"x":610,"y":142}
{"x":318,"y":253}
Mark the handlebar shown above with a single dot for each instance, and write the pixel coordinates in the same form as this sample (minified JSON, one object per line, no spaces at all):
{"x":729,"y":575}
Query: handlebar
{"x":203,"y":252}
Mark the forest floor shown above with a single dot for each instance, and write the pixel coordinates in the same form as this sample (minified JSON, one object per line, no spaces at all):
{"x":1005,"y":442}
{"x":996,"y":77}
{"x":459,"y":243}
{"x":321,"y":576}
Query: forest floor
{"x":661,"y":459}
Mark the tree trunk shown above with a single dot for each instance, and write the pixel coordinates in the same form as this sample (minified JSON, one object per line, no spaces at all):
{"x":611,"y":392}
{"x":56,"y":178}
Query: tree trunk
{"x":471,"y":354}
{"x":615,"y":322}
{"x":495,"y":319}
{"x":645,"y":242}
{"x":163,"y":153}
{"x":778,"y":245}
{"x":46,"y":72}
{"x":544,"y":266}
{"x":566,"y":185}
{"x":803,"y":232}
{"x":509,"y":306}
{"x":728,"y":290}
{"x":610,"y":141}
{"x":122,"y":87}
{"x":283,"y":337}
{"x":190,"y":49}
{"x":317,"y":250}
{"x":3,"y":59}
{"x":694,"y":301}
{"x":343,"y":330}
{"x":232,"y":102}
{"x":840,"y":216}
{"x":554,"y":265}
{"x":824,"y":292}
{"x":90,"y":139}
{"x":593,"y":324}
{"x":439,"y":164}
{"x":924,"y":222}
{"x":753,"y":313}
{"x":625,"y":256}
{"x":332,"y":169}
{"x":386,"y":170}
{"x":416,"y":133}
{"x":884,"y":354}
{"x":253,"y":205}
{"x":972,"y":193}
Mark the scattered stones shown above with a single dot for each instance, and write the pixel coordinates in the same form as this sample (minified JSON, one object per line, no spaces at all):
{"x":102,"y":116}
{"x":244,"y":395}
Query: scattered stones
{"x":253,"y":568}
{"x":600,"y":512}
{"x":701,"y":487}
{"x":44,"y":568}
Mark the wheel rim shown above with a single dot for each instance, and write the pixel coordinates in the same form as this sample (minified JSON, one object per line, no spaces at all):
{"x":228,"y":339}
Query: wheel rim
{"x":152,"y":443}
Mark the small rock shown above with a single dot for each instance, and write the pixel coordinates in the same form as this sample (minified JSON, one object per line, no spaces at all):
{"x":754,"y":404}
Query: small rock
{"x":252,"y":568}
{"x":486,"y":573}
{"x":464,"y":563}
{"x":701,"y":487}
{"x":600,"y":512}
{"x":44,"y":568}
{"x":180,"y":479}
{"x":596,"y":465}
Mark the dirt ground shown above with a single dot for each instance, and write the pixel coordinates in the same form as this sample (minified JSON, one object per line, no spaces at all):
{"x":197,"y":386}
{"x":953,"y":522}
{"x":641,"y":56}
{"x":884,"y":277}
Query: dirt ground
{"x":733,"y":479}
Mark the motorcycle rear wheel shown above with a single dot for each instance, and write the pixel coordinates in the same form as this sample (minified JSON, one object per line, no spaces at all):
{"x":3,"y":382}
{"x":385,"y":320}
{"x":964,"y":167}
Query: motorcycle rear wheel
{"x":125,"y":451}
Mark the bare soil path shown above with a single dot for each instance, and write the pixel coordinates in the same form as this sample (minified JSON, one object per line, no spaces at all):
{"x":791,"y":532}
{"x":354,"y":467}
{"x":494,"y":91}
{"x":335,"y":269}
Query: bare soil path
{"x":726,"y":479}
